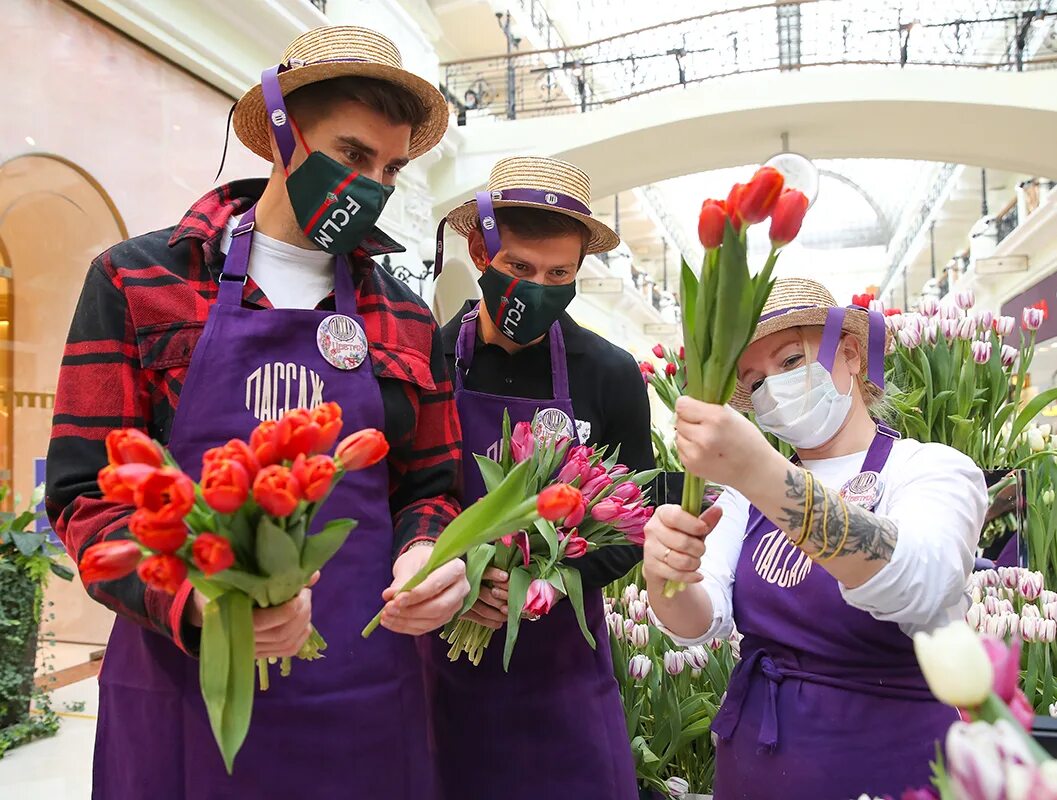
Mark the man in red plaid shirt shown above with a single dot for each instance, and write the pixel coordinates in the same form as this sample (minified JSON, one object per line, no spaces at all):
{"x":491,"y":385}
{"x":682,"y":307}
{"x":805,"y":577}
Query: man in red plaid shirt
{"x":339,"y":117}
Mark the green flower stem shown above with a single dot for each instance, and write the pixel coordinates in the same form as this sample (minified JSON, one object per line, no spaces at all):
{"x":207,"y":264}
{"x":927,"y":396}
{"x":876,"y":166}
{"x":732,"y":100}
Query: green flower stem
{"x":993,"y":709}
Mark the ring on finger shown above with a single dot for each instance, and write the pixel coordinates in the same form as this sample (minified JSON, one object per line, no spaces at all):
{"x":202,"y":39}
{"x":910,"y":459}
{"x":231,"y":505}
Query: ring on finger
{"x":667,"y":553}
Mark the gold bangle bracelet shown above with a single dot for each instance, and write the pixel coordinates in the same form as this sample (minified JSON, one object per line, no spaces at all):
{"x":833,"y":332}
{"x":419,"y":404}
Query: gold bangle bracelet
{"x":844,"y":538}
{"x":825,"y":519}
{"x":809,"y":508}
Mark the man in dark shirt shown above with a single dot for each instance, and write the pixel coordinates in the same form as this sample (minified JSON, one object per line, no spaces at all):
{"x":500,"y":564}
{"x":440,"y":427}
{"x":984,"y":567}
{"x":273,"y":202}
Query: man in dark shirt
{"x":518,"y":350}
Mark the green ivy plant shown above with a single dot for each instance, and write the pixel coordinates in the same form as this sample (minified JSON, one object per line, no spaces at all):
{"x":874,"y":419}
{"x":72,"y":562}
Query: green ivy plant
{"x":27,"y":558}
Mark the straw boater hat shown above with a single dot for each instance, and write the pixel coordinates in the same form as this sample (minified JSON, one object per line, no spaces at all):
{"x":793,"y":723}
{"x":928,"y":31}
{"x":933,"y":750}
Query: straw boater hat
{"x":332,"y":52}
{"x":795,"y":302}
{"x":534,"y":182}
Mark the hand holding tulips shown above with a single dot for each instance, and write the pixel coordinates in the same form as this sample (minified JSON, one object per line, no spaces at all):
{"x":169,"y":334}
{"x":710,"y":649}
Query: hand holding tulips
{"x":722,"y":304}
{"x":430,"y":604}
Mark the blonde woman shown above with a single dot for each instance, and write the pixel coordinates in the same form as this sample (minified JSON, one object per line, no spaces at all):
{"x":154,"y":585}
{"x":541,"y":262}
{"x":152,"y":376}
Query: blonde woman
{"x":827,"y":563}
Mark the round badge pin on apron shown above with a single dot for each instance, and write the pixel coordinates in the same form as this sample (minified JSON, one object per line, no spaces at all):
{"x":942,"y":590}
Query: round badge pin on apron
{"x":863,"y":490}
{"x":341,"y":341}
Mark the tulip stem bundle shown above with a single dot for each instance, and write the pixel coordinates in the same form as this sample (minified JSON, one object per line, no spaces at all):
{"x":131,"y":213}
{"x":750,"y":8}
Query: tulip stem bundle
{"x":721,"y":306}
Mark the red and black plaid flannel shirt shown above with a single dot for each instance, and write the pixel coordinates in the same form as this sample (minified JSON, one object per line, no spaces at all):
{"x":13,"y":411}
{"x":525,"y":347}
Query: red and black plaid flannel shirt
{"x":142,"y":309}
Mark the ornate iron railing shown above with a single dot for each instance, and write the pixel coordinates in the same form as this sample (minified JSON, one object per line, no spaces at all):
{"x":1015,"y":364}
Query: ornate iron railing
{"x":976,"y":34}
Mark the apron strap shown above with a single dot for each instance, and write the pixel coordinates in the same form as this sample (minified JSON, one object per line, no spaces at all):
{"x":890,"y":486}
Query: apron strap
{"x":344,"y":287}
{"x":559,"y":368}
{"x":726,"y":721}
{"x":464,"y":349}
{"x":237,"y":263}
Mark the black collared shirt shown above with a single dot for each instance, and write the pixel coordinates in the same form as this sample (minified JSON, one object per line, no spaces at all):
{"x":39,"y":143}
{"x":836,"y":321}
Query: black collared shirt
{"x":608,"y":394}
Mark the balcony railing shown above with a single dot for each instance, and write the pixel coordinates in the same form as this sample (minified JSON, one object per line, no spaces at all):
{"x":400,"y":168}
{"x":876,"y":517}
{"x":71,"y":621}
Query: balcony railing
{"x":973,"y":34}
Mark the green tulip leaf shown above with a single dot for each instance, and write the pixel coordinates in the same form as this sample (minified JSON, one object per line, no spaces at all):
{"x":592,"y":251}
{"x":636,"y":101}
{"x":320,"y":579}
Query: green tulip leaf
{"x":276,"y":552}
{"x":477,"y":561}
{"x":574,"y":590}
{"x":320,"y":547}
{"x":491,"y":471}
{"x":214,"y":663}
{"x":238,"y":708}
{"x":516,"y":593}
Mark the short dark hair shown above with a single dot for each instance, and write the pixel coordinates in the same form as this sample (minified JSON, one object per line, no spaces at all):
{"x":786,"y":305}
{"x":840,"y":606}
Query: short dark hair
{"x":398,"y":105}
{"x":540,"y":223}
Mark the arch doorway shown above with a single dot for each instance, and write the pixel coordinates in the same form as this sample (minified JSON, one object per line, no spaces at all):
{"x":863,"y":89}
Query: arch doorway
{"x":54,"y":219}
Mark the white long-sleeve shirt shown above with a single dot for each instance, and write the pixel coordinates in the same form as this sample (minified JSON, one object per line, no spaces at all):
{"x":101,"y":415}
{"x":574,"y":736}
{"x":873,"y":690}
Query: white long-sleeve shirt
{"x":937,"y":499}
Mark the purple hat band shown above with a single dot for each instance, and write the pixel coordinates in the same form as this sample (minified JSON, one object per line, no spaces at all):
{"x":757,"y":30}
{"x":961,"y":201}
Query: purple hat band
{"x":489,"y":223}
{"x":831,"y":338}
{"x":875,"y":347}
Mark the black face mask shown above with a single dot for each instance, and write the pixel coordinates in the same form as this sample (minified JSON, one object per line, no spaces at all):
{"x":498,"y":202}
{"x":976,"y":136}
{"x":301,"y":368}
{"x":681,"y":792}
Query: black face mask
{"x":523,"y":311}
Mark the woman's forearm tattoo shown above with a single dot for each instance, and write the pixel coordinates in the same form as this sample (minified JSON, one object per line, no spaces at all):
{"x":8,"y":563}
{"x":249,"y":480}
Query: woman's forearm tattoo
{"x":868,"y":535}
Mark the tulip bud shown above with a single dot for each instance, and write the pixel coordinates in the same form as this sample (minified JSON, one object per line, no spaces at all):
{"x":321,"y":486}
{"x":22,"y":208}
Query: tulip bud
{"x":949,"y":311}
{"x":995,"y":625}
{"x":966,"y":329}
{"x":629,"y":626}
{"x":362,"y":449}
{"x":975,"y":616}
{"x":522,"y":442}
{"x":1048,"y":631}
{"x":1048,"y":596}
{"x":1053,"y":710}
{"x":540,"y":598}
{"x":1049,"y":610}
{"x":1012,"y":624}
{"x":640,"y":636}
{"x":931,"y":333}
{"x":787,"y":217}
{"x":877,"y":305}
{"x":644,"y":596}
{"x":909,"y":338}
{"x":711,"y":224}
{"x":955,"y":665}
{"x":163,"y":571}
{"x":1009,"y":355}
{"x":895,"y":322}
{"x":1029,"y":628}
{"x":212,"y":553}
{"x":639,"y":666}
{"x":678,"y":788}
{"x":990,"y":604}
{"x":977,"y":594}
{"x":1035,"y":440}
{"x":615,"y":622}
{"x":1047,"y":497}
{"x":981,"y":352}
{"x":637,"y":610}
{"x":965,"y":299}
{"x":609,"y":604}
{"x":631,"y":592}
{"x":674,"y":662}
{"x":132,"y":446}
{"x":658,"y":350}
{"x":1031,"y":586}
{"x":1029,"y":610}
{"x":862,"y":300}
{"x":108,"y":561}
{"x":929,"y":306}
{"x":988,"y":577}
{"x":758,"y":197}
{"x":1004,"y":325}
{"x":696,"y":657}
{"x":984,"y":319}
{"x":557,"y":501}
{"x":1031,"y":319}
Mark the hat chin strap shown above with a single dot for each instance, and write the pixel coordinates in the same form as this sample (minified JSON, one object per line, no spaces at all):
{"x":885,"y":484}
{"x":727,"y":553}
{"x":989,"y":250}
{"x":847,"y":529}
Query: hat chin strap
{"x":489,"y":227}
{"x":831,"y":333}
{"x":278,"y":116}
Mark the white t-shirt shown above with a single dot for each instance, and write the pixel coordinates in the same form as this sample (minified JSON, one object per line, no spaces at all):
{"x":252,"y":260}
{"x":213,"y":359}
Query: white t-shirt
{"x":289,"y":276}
{"x":937,"y":499}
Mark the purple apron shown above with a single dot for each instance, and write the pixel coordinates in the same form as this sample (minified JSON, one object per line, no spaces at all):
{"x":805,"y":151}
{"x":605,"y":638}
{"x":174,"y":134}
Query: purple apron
{"x":827,"y":702}
{"x":553,"y":727}
{"x":352,"y":724}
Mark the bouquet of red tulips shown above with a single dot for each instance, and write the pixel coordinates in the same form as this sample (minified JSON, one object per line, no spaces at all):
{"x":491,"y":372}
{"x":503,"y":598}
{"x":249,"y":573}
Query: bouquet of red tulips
{"x":721,"y":306}
{"x":593,"y":502}
{"x":239,"y":535}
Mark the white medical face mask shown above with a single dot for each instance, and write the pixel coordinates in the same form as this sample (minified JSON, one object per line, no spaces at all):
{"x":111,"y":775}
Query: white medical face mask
{"x":802,"y":407}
